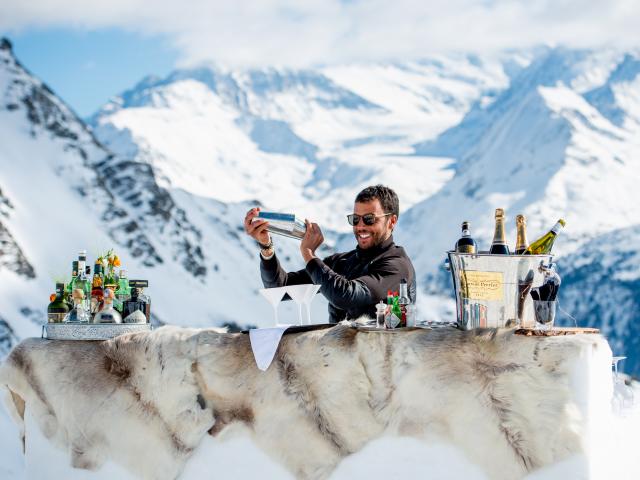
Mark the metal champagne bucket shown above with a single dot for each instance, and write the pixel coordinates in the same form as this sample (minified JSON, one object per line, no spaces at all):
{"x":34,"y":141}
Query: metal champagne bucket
{"x":493,"y":290}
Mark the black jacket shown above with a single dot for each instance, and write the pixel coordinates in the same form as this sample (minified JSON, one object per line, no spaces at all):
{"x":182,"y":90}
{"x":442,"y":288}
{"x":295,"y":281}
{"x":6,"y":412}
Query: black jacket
{"x":353,"y":282}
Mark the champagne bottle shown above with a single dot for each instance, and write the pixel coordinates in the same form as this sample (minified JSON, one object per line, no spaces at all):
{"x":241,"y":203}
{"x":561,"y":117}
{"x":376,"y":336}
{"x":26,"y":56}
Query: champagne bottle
{"x":521,"y":234}
{"x":465,"y":243}
{"x":499,"y":245}
{"x":544,"y":244}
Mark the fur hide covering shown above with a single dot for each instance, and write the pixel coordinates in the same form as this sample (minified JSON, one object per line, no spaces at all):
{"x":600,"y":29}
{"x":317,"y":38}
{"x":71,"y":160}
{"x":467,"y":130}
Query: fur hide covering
{"x":504,"y":399}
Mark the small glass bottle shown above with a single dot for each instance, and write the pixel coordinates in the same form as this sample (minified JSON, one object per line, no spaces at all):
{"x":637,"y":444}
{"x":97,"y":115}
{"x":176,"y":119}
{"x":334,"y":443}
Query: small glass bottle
{"x":97,"y":289}
{"x":143,"y":301}
{"x":123,"y":292}
{"x":134,"y":308}
{"x":69,"y":287}
{"x":78,"y":314}
{"x":381,"y":308}
{"x":108,"y":314}
{"x":403,"y":302}
{"x":57,"y":308}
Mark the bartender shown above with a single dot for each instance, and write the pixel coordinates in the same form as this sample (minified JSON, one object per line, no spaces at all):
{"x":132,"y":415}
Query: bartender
{"x":354,"y":281}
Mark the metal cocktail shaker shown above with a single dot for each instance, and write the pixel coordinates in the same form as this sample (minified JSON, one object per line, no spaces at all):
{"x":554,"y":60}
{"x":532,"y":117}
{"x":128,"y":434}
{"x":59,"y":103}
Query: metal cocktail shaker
{"x":286,"y":224}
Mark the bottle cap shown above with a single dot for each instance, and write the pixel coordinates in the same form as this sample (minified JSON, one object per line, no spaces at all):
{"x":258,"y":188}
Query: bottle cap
{"x":499,"y":212}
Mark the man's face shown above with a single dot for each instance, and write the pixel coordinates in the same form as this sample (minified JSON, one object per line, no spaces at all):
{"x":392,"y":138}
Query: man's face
{"x":371,"y":235}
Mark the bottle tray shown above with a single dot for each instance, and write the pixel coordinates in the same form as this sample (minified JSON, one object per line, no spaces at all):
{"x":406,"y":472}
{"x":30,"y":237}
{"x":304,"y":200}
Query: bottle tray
{"x":90,"y":331}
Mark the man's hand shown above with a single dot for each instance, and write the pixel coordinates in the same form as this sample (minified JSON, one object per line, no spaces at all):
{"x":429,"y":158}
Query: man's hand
{"x":312,"y":239}
{"x":258,"y":229}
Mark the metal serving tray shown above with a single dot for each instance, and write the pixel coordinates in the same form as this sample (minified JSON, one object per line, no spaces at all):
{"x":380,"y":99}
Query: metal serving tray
{"x":90,"y":331}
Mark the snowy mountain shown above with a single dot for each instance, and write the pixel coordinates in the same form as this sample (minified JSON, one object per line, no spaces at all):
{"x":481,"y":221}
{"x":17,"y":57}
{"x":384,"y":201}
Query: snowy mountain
{"x":62,"y":191}
{"x":561,"y":141}
{"x":299,"y":140}
{"x":167,"y":169}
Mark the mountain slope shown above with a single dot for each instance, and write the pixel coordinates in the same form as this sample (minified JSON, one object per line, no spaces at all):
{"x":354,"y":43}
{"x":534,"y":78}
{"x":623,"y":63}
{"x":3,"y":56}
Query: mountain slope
{"x":63,"y":191}
{"x":545,"y":148}
{"x":297,"y":140}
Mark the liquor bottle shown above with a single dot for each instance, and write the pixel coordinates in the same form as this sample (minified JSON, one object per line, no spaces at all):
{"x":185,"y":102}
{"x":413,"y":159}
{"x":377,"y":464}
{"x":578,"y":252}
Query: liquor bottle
{"x":544,"y":244}
{"x":142,"y":297}
{"x":521,"y":234}
{"x":69,"y":287}
{"x":82,"y":281}
{"x":108,"y":314}
{"x":499,"y":245}
{"x":403,"y":302}
{"x":390,"y":319}
{"x":110,"y":280}
{"x":133,"y":305}
{"x":123,"y":292}
{"x":57,"y":308}
{"x":78,"y":314}
{"x":97,"y":289}
{"x":465,"y":243}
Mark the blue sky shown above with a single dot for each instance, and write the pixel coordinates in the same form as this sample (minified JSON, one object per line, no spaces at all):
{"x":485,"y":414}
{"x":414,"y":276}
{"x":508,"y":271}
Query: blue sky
{"x":86,"y":68}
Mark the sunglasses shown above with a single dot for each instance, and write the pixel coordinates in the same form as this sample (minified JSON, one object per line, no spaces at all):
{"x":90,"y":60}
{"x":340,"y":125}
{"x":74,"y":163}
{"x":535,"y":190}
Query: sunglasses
{"x":368,"y":218}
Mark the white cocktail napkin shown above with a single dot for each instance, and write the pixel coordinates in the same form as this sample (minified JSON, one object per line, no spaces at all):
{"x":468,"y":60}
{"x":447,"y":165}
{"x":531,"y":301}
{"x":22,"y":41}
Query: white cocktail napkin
{"x":264,"y":343}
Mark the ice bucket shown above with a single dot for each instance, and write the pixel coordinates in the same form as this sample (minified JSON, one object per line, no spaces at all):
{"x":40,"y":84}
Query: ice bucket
{"x":493,"y":290}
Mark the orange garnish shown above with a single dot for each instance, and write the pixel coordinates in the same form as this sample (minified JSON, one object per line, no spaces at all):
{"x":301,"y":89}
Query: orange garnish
{"x":52,"y":297}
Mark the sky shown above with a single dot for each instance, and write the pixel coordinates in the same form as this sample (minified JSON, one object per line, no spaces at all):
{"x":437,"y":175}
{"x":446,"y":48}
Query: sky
{"x":89,"y":50}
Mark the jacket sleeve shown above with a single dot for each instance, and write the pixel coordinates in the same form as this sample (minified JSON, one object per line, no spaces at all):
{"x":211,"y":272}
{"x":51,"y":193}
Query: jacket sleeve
{"x":273,"y":275}
{"x":341,"y":292}
{"x":386,"y":274}
{"x":383,"y":275}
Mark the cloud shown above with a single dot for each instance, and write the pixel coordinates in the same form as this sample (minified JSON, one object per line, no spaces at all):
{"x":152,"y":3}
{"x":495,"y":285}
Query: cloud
{"x":308,"y":32}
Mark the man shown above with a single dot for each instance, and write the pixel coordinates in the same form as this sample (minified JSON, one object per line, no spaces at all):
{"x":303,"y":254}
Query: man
{"x":354,"y":281}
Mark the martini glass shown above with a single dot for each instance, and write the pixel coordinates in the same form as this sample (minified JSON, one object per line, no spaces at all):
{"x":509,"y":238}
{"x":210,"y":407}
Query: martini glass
{"x":273,"y":296}
{"x":310,"y":294}
{"x":297,"y":294}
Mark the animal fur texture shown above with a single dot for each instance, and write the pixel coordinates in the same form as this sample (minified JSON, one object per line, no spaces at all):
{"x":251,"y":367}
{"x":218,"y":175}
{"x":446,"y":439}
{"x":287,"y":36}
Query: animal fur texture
{"x":504,"y":399}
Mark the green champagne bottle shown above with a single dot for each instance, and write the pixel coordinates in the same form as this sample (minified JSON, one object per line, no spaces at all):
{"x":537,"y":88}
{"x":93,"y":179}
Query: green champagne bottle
{"x":499,"y":245}
{"x":544,"y":244}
